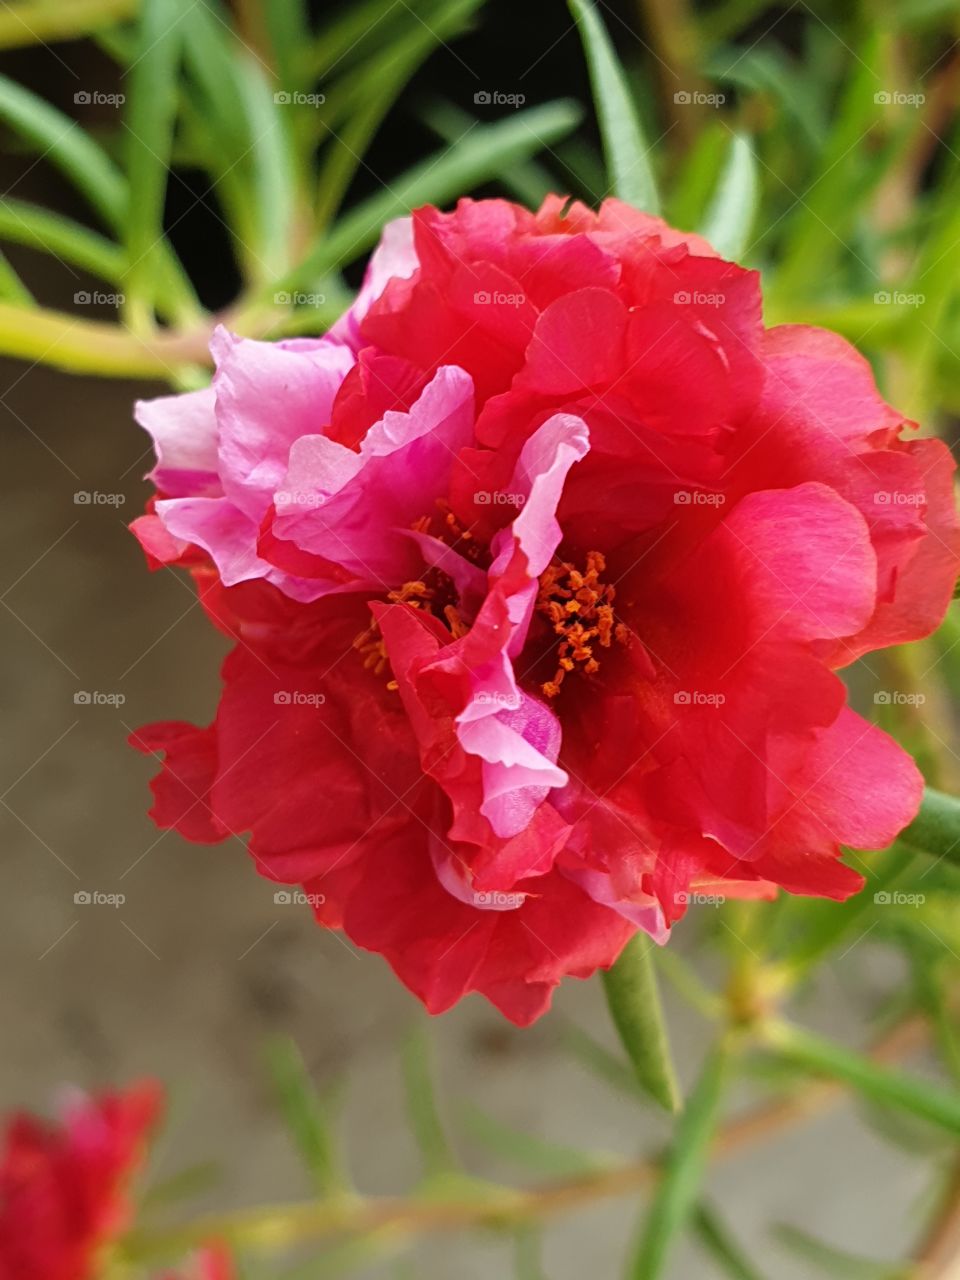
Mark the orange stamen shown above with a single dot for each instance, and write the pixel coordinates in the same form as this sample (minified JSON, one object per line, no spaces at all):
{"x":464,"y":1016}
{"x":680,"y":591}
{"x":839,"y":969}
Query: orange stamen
{"x":579,"y":607}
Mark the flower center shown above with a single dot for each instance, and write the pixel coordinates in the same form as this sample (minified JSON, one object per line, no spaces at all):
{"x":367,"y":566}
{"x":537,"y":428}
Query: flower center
{"x":445,"y":527}
{"x":436,"y":593}
{"x":579,"y":607}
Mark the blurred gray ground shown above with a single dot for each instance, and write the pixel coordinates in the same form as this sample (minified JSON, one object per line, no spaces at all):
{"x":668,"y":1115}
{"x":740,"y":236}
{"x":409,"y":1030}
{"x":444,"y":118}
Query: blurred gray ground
{"x":188,"y":977}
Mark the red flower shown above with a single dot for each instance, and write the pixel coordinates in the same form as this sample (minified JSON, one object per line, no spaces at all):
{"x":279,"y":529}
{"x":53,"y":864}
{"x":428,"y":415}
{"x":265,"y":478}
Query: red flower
{"x":63,"y":1188}
{"x":540,"y":567}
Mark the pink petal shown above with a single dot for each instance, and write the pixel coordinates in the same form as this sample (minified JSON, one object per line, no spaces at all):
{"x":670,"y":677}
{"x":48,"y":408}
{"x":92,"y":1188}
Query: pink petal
{"x":184,"y":431}
{"x":356,"y":509}
{"x":268,"y":395}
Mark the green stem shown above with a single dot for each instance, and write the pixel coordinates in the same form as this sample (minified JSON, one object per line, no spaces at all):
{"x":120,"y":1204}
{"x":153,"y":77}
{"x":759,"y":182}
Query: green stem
{"x":26,"y":24}
{"x":877,"y":1083}
{"x":936,"y":828}
{"x":90,"y":346}
{"x":677,"y":1192}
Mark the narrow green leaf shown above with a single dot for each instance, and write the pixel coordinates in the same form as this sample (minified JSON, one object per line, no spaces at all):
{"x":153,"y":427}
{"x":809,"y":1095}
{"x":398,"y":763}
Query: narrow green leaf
{"x":348,"y":35}
{"x":934,"y":281}
{"x":118,"y":43}
{"x":624,"y":145}
{"x":696,"y":175}
{"x":600,"y":1062}
{"x":274,"y":172}
{"x":529,"y":181}
{"x":908,"y":1133}
{"x":46,"y":21}
{"x":306,"y":1116}
{"x":216,"y":121}
{"x":374,"y":88}
{"x":725,"y":1251}
{"x":880,"y":1084}
{"x":210,"y":54}
{"x":443,"y":176}
{"x":631,"y":990}
{"x":526,"y":1254}
{"x":831,"y":1261}
{"x":12,"y":288}
{"x":821,"y":227}
{"x":149,"y":119}
{"x":765,"y":69}
{"x":533,"y":1153}
{"x":28,"y":224}
{"x":288,"y":30}
{"x":685,"y":980}
{"x":64,"y":143}
{"x":425,"y":1120}
{"x":932,"y":994}
{"x":936,"y":828}
{"x":676,"y":1195}
{"x":821,"y":925}
{"x":730,"y":217}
